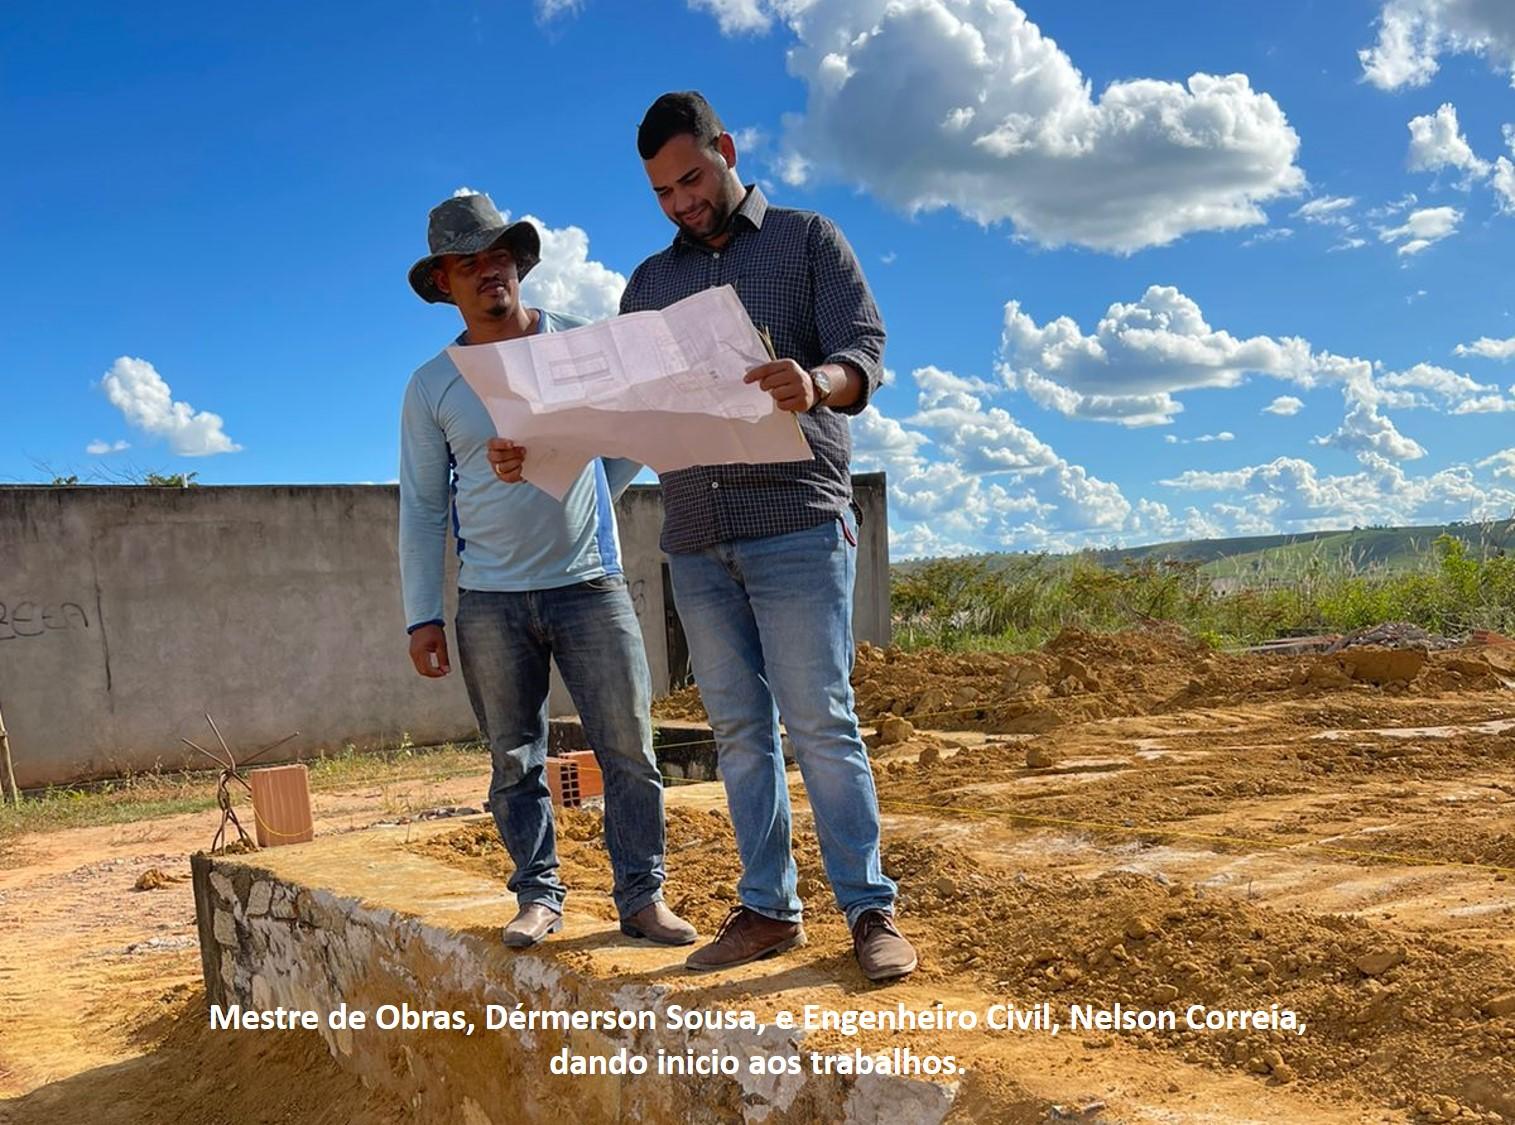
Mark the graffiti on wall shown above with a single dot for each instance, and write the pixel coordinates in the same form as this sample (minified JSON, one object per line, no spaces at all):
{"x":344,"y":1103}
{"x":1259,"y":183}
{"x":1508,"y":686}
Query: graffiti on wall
{"x":20,"y":620}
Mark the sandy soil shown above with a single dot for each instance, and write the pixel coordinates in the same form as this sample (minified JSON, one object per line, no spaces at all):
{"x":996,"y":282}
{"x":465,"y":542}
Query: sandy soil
{"x":103,"y":1009}
{"x":1333,"y":834}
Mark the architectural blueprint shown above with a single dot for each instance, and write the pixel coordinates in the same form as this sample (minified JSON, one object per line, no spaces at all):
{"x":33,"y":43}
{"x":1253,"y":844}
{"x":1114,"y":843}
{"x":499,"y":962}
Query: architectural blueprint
{"x":663,"y":388}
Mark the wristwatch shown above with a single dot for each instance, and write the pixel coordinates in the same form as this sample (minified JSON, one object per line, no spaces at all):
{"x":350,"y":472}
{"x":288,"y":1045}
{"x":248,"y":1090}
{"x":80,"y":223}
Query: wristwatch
{"x":822,"y":384}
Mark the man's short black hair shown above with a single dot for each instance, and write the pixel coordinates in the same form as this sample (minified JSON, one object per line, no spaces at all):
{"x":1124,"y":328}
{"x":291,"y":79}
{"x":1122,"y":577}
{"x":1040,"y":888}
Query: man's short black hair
{"x":685,"y":111}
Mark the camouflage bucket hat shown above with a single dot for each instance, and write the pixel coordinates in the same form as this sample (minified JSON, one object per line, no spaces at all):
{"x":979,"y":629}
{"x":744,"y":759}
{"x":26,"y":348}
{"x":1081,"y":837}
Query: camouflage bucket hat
{"x":470,"y":224}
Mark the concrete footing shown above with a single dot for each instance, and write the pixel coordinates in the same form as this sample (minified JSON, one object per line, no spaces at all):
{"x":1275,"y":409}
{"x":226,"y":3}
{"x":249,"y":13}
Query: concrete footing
{"x":362,"y":922}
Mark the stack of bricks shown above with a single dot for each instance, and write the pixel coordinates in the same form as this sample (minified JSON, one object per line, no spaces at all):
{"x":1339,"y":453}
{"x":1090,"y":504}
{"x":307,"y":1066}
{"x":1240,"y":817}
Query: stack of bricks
{"x":573,"y":777}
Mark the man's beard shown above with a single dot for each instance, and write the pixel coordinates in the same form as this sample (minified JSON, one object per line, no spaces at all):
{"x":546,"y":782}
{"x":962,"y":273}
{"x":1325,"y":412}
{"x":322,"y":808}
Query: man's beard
{"x":499,"y":310}
{"x":722,"y":217}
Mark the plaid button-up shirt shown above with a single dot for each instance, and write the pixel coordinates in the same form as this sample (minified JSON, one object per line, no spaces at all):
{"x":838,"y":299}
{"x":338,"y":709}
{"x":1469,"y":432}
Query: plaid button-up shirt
{"x":798,"y":278}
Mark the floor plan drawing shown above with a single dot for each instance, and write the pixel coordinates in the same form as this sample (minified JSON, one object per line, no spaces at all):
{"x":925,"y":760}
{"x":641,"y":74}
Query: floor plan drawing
{"x":663,"y":388}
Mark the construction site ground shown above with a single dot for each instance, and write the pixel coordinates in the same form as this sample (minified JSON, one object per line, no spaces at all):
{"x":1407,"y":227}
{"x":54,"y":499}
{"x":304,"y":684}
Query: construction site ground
{"x":1131,"y":819}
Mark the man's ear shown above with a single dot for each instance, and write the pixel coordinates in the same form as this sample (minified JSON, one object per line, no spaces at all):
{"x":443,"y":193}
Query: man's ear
{"x":439,"y":279}
{"x":725,"y":144}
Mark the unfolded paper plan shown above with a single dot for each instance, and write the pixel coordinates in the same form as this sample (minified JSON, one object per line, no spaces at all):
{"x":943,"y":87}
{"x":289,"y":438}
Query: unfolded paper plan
{"x":663,"y":388}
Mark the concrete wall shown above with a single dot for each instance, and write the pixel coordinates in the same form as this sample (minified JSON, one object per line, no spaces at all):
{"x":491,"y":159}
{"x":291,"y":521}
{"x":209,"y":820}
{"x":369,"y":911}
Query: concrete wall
{"x":127,"y":613}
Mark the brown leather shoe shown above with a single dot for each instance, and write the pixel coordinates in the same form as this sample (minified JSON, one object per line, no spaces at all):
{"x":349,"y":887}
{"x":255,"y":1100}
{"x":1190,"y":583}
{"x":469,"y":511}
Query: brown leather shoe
{"x":655,"y":922}
{"x":745,"y":936}
{"x":881,"y":950}
{"x":534,"y":922}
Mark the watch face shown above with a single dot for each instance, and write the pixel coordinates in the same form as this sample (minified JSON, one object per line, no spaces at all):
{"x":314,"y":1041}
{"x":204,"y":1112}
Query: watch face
{"x":822,"y":383}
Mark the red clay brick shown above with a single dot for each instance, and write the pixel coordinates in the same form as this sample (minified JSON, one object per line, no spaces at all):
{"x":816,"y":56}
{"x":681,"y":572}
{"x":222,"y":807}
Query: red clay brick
{"x":591,"y":780}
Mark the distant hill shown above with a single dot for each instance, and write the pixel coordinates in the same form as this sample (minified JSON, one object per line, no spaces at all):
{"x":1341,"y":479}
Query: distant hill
{"x":1368,"y":548}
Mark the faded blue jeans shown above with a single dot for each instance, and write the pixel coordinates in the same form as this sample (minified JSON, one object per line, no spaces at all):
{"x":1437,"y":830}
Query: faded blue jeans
{"x":505,"y":642}
{"x":769,"y":624}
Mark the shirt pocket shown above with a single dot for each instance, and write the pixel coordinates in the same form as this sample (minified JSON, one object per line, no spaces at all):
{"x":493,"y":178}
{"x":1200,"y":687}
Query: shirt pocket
{"x":780,"y":299}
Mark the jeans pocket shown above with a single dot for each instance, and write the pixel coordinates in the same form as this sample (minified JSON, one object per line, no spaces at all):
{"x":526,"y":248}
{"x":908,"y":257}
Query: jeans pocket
{"x":606,"y":583}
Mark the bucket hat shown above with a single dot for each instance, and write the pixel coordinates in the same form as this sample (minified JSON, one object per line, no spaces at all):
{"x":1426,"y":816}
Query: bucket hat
{"x":471,"y":224}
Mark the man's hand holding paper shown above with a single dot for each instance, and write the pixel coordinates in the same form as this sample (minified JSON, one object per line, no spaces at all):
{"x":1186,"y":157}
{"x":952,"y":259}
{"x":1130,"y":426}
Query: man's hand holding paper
{"x":617,"y":389}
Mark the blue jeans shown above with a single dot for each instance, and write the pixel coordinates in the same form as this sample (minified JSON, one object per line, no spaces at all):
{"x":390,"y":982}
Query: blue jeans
{"x":505,"y":642}
{"x":769,"y":624}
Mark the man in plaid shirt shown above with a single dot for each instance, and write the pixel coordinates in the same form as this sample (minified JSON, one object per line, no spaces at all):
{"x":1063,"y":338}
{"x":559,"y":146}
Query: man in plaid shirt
{"x":764,"y":557}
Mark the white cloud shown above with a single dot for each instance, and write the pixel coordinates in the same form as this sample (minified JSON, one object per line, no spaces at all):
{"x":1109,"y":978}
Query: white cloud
{"x":1501,"y":464}
{"x":1365,"y":430}
{"x":794,"y":169}
{"x":1330,"y":210}
{"x":1139,"y":354}
{"x":1396,"y":207}
{"x":1348,"y":244}
{"x":738,"y":17}
{"x":1272,"y":234}
{"x":1441,"y":381}
{"x":1422,"y":229}
{"x":136,"y":389}
{"x":1297,"y":497}
{"x":99,"y":448}
{"x":1284,"y":405}
{"x":1488,"y":348}
{"x":1503,"y":183}
{"x":973,"y":475}
{"x":965,"y":104}
{"x":1437,"y":142}
{"x":1200,"y":439}
{"x":568,"y":280}
{"x":1412,"y":34}
{"x":749,"y":139}
{"x":1485,"y":404}
{"x":549,"y":10}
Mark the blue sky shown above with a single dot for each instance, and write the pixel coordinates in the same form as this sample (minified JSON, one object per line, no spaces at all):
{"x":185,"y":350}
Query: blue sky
{"x":1149,"y":271}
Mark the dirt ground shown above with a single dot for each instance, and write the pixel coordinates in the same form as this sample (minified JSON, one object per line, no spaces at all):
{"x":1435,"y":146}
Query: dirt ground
{"x":1126,"y":819}
{"x":1151,"y":823}
{"x":102,"y":1010}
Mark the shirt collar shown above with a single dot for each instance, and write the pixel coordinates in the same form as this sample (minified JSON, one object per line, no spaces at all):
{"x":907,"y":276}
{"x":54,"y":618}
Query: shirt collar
{"x":462,"y":339}
{"x":750,"y":212}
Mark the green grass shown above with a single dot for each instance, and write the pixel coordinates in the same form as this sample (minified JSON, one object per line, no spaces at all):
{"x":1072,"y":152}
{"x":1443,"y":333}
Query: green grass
{"x":146,"y":796}
{"x":1392,"y":548}
{"x":1019,"y":602}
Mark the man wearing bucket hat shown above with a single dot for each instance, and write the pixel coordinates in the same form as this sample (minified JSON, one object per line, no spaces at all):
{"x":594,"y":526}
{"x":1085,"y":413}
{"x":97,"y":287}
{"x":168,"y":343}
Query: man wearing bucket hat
{"x":538,"y":579}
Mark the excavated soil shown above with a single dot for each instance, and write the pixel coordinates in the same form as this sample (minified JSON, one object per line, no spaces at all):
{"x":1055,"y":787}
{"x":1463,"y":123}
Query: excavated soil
{"x":1131,"y":819}
{"x":1141,"y":820}
{"x":1082,"y":676}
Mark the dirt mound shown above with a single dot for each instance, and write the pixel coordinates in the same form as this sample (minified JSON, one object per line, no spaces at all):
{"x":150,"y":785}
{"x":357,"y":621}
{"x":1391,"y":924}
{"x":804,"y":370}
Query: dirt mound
{"x":1390,"y":1019}
{"x":1394,"y":1019}
{"x":1396,"y":634}
{"x":584,"y":865}
{"x":190,"y":1073}
{"x":680,"y":706}
{"x":1079,"y":677}
{"x":155,"y":879}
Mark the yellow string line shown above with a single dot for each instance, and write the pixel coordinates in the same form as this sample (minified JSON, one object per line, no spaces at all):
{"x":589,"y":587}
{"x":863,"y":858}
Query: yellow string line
{"x":985,"y":707}
{"x":1154,"y":830}
{"x":274,"y":831}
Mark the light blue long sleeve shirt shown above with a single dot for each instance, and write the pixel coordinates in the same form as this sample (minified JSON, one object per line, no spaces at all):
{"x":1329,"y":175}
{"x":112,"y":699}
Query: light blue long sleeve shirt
{"x":510,"y":537}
